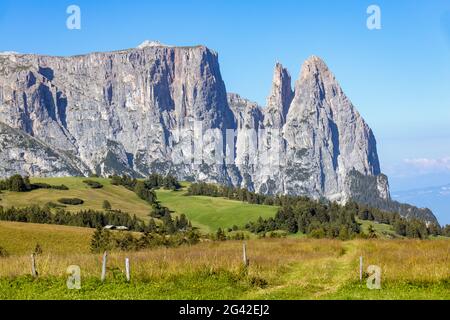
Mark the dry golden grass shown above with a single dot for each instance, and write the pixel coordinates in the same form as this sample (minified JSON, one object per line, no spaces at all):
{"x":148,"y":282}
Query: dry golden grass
{"x":400,"y":260}
{"x":267,"y":257}
{"x":409,"y":260}
{"x":292,"y":268}
{"x":21,"y":238}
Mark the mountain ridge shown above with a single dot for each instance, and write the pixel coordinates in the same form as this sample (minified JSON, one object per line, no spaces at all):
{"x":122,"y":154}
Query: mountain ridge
{"x":165,"y":109}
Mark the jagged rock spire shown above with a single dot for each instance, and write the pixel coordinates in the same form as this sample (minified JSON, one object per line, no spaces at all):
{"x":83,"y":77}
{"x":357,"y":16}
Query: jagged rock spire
{"x":315,"y":87}
{"x":280,"y":97}
{"x":136,"y":112}
{"x":323,"y":122}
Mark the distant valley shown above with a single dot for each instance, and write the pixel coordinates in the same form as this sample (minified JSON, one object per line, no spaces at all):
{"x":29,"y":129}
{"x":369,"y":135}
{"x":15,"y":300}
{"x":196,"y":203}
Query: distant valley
{"x":435,"y":198}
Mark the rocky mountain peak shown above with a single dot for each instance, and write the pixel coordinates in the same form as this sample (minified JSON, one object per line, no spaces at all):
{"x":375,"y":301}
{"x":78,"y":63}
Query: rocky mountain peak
{"x":280,"y":97}
{"x":134,"y":111}
{"x":314,"y":65}
{"x":330,"y":135}
{"x":9,"y":53}
{"x":150,"y":43}
{"x":315,"y":72}
{"x":318,"y":88}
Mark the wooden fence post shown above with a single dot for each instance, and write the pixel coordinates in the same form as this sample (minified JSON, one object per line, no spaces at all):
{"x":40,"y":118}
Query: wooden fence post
{"x":244,"y":255}
{"x":34,"y":272}
{"x":105,"y":257}
{"x":127,"y":269}
{"x":360,"y":269}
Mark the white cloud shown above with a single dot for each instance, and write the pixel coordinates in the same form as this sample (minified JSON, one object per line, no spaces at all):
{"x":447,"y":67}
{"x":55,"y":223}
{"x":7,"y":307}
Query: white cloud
{"x":430,"y":165}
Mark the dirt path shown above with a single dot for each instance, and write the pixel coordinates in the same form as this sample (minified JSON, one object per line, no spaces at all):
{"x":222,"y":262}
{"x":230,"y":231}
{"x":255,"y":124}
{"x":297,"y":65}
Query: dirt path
{"x":314,"y":279}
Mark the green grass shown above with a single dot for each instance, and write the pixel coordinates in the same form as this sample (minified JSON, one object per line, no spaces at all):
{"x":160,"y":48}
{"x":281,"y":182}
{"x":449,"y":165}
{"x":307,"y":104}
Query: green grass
{"x":209,"y":213}
{"x":283,"y":269}
{"x":21,"y":238}
{"x":220,"y":286}
{"x":381,"y":230}
{"x":406,"y":290}
{"x":195,"y":286}
{"x":206,"y":213}
{"x":119,"y":197}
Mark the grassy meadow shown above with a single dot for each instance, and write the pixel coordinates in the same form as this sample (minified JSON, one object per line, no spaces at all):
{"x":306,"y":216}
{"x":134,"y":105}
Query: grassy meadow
{"x":21,"y":238}
{"x":382,"y":230}
{"x":296,"y":267}
{"x":279,"y":269}
{"x":209,"y":214}
{"x":119,"y":197}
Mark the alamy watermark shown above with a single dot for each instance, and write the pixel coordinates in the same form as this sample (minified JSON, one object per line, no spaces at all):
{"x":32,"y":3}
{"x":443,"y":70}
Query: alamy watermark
{"x":374,"y":279}
{"x":374,"y":20}
{"x":74,"y":279}
{"x":73,"y":22}
{"x":195,"y":145}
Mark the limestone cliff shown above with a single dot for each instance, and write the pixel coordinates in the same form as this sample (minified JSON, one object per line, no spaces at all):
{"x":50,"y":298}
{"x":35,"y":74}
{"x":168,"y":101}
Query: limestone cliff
{"x":165,"y":109}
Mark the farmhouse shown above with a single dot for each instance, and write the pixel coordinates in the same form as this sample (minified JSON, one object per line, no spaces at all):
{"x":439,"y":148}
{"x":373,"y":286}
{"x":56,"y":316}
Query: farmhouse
{"x":113,"y":227}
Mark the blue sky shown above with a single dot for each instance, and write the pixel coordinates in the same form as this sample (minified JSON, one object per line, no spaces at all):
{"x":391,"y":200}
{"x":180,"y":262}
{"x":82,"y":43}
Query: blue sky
{"x":398,"y":77}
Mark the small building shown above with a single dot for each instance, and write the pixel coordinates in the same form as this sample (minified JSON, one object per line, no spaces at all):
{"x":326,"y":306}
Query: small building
{"x":113,"y":227}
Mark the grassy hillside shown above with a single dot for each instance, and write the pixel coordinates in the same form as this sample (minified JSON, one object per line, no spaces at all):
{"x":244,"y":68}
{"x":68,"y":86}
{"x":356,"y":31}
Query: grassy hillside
{"x":118,"y":196}
{"x":206,"y":213}
{"x":21,"y":238}
{"x":209,"y":213}
{"x":382,"y":230}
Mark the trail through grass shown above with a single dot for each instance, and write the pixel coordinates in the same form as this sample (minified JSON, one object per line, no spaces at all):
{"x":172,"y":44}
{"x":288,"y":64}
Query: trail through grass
{"x":298,"y":269}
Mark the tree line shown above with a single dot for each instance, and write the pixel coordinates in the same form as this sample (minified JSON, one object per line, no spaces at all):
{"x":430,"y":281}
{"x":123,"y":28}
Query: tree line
{"x":103,"y":239}
{"x":310,"y":217}
{"x":17,"y":183}
{"x":83,"y":218}
{"x":153,"y":181}
{"x":318,"y":218}
{"x":95,"y":219}
{"x":233,"y":193}
{"x":145,"y":190}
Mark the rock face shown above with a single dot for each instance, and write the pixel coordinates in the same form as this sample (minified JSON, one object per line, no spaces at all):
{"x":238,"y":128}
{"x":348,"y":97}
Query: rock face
{"x":326,"y":137}
{"x":25,"y":155}
{"x":165,"y":109}
{"x":321,"y":137}
{"x":280,"y":98}
{"x":114,"y":111}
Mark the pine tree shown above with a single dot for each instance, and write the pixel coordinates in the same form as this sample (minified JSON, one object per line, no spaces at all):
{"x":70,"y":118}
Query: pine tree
{"x":151,"y":227}
{"x":17,"y":184}
{"x":106,"y":205}
{"x":220,"y":235}
{"x":37,"y":249}
{"x":371,"y":232}
{"x":96,"y":241}
{"x":101,"y":240}
{"x":168,"y":224}
{"x":343,"y":233}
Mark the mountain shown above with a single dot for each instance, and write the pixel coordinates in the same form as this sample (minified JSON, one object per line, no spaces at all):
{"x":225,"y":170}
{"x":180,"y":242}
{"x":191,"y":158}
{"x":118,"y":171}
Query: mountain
{"x":436,"y":198}
{"x":165,"y":109}
{"x":22,"y":153}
